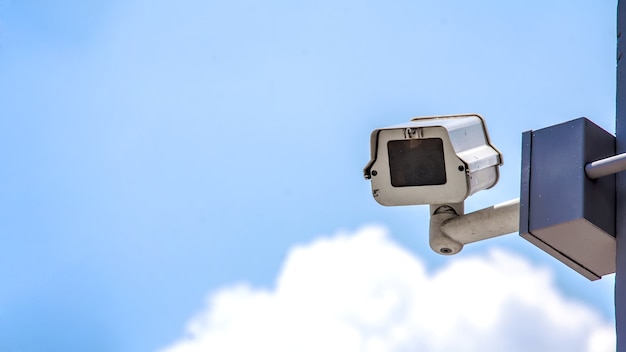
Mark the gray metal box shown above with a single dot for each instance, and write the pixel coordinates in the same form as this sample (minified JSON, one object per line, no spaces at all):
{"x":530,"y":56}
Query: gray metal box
{"x":562,"y":211}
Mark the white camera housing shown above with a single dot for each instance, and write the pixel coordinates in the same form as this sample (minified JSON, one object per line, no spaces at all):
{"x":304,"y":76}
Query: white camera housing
{"x":432,"y":160}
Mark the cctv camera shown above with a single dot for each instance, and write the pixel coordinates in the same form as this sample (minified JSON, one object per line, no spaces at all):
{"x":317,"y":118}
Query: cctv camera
{"x":432,"y":160}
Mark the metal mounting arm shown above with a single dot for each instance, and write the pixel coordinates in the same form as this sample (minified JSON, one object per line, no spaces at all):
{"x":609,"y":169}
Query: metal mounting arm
{"x":607,"y":166}
{"x":450,"y":229}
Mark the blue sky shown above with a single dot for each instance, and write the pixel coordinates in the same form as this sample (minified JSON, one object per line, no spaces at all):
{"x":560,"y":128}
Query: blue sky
{"x":156,"y":153}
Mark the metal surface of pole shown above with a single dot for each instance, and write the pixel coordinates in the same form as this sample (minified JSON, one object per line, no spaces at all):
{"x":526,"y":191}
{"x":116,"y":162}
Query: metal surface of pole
{"x":620,"y":132}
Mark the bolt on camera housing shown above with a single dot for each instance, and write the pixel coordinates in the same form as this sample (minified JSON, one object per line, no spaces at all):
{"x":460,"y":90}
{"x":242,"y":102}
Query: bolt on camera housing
{"x":432,"y":160}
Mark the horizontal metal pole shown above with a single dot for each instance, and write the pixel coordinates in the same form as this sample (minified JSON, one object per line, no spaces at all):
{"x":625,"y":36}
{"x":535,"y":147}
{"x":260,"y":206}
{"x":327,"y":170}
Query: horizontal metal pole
{"x":605,"y":167}
{"x":493,"y":221}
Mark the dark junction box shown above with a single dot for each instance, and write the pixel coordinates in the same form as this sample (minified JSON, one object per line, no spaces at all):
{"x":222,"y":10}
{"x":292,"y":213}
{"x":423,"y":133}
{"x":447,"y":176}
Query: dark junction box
{"x":562,"y":211}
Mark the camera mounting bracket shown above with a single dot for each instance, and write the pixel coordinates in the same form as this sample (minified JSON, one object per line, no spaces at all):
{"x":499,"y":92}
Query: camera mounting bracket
{"x":450,"y":228}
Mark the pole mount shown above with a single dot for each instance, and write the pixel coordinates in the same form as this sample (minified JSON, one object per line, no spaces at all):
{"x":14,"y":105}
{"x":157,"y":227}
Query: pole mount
{"x":450,"y":229}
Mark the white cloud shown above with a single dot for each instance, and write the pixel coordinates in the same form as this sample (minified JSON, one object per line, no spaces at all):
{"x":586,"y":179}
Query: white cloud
{"x":363,"y":292}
